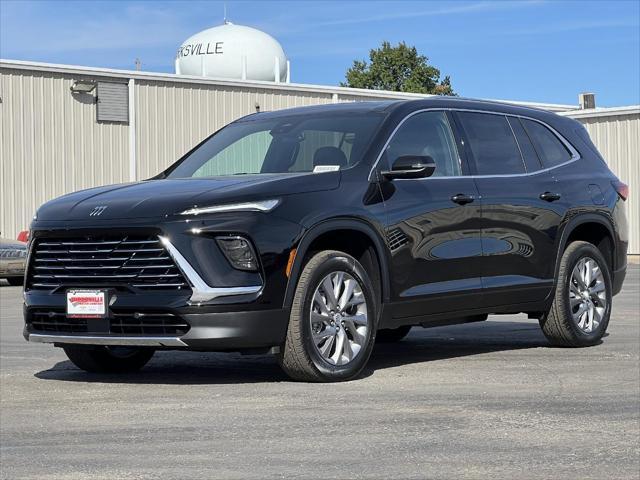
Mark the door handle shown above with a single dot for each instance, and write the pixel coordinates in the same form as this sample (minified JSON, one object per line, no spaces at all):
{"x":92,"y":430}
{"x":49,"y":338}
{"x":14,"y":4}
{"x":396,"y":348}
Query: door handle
{"x":462,"y":199}
{"x":550,"y":196}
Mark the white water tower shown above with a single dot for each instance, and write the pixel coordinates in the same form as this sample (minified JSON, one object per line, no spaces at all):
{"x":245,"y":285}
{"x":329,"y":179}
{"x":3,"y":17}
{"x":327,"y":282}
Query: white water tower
{"x":234,"y":52}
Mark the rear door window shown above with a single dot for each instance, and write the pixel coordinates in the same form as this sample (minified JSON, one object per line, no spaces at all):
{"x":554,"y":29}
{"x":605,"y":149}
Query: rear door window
{"x":491,"y":143}
{"x":550,"y":149}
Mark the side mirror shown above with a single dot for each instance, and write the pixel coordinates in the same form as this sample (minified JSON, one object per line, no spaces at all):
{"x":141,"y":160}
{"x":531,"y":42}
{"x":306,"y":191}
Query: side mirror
{"x":411,"y":166}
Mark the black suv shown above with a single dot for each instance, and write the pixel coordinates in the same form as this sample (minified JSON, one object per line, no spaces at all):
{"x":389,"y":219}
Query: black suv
{"x":311,"y":232}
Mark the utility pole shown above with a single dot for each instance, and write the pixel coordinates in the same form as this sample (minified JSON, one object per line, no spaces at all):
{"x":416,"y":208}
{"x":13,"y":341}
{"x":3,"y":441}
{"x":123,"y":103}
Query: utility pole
{"x":138,"y":64}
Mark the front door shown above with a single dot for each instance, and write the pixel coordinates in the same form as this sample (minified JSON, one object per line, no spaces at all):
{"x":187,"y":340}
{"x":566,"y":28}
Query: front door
{"x":433,"y":224}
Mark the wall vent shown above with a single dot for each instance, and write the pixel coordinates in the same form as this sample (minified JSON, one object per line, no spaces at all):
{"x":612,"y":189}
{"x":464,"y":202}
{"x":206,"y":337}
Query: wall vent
{"x":113,"y":102}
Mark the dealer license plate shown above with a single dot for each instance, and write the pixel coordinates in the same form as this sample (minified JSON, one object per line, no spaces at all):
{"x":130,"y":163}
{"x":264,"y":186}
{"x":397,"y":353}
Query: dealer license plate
{"x":86,"y":303}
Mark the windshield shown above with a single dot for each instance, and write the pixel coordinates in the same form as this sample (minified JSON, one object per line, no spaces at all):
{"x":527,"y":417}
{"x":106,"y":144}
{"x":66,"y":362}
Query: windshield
{"x":282,"y":145}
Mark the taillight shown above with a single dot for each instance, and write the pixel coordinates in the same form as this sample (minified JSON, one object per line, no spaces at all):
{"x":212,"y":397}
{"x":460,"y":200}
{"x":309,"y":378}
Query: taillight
{"x":23,"y":236}
{"x":622,"y":189}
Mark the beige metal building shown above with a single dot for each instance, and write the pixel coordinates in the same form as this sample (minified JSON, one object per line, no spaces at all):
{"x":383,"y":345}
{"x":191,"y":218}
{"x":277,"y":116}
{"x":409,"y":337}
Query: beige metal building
{"x":57,"y":137}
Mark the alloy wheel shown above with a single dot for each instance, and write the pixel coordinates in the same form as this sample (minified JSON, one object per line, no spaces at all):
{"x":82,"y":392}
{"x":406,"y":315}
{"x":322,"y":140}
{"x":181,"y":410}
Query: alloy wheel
{"x":587,"y":295}
{"x":339,"y":322}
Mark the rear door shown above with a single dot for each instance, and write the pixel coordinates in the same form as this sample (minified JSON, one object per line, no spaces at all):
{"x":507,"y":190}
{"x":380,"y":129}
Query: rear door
{"x":433,"y":228}
{"x":520,"y":217}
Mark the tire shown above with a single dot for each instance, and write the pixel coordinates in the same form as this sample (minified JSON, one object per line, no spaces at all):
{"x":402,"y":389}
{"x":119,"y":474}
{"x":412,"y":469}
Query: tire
{"x":102,"y":359}
{"x":392,"y":335}
{"x":336,"y":345}
{"x":16,"y":281}
{"x":563,"y":325}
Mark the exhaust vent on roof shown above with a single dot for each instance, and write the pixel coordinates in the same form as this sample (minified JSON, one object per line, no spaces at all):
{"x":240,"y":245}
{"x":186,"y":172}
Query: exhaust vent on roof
{"x":587,"y":100}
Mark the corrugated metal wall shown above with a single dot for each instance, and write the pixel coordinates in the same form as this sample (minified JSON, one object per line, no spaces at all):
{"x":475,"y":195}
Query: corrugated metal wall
{"x":51,"y":144}
{"x":618,"y":140}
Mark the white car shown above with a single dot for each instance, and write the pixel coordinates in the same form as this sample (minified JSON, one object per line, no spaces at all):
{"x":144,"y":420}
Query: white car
{"x":13,"y":256}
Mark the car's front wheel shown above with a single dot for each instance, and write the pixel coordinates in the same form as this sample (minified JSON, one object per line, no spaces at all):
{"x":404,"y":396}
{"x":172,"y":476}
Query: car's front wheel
{"x":579,"y":315}
{"x":103,"y":359}
{"x":333,"y":320}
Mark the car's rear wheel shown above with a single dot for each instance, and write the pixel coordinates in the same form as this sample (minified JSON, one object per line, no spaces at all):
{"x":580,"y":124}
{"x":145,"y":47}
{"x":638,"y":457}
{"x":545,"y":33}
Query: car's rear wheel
{"x":16,"y":281}
{"x":333,"y":320}
{"x":392,"y":335}
{"x":103,"y":359}
{"x":580,"y":312}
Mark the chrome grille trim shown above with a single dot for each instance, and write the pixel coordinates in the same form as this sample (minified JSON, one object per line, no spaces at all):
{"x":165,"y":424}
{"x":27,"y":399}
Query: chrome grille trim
{"x":203,"y":292}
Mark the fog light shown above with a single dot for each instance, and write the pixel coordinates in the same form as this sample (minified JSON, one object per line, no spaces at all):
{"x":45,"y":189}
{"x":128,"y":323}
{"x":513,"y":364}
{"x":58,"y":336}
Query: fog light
{"x":239,"y":252}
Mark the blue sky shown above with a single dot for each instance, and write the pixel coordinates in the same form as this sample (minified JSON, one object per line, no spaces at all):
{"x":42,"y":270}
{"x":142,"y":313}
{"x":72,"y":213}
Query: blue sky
{"x":545,"y":51}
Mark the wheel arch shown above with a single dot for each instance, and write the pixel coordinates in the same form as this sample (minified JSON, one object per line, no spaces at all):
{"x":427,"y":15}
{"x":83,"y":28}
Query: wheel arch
{"x":333,"y":225}
{"x":577,"y":225}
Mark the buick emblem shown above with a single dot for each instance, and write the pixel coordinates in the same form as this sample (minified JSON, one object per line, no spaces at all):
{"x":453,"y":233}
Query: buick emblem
{"x":97,"y":211}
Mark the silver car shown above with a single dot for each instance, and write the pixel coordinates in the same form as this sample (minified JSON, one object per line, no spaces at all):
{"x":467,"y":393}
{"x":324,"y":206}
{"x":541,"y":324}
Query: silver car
{"x":13,"y":256}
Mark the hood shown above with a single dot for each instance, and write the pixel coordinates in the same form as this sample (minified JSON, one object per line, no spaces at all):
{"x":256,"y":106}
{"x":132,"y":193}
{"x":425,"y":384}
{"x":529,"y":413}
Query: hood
{"x":157,"y":198}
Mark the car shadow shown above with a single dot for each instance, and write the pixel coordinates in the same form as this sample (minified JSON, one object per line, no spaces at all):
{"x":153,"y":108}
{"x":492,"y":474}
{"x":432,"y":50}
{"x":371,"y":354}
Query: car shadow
{"x":442,"y":343}
{"x":420,"y":346}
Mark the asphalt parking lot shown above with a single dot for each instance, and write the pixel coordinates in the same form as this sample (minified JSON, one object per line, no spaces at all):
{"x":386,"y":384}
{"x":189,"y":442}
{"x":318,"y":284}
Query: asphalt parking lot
{"x":487,"y":400}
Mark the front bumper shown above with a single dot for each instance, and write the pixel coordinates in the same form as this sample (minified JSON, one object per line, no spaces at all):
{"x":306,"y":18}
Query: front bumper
{"x":225,"y":309}
{"x":226,"y":331}
{"x":105,"y":340}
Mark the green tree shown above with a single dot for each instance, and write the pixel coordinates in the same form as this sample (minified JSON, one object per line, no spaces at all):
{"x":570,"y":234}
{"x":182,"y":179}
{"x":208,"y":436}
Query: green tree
{"x":399,"y":69}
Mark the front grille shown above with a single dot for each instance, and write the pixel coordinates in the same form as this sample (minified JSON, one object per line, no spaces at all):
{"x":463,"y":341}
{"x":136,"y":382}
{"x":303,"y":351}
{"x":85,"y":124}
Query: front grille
{"x":135,"y":260}
{"x":57,"y":322}
{"x":148,"y":324}
{"x":121,"y":323}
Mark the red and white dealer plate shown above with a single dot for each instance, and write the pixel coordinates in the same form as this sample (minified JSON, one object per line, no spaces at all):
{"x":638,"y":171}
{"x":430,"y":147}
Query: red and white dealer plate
{"x":86,"y":303}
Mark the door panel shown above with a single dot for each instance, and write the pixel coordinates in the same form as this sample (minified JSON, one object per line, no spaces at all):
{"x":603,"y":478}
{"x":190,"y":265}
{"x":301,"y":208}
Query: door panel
{"x":519,"y":227}
{"x":435,"y":245}
{"x":433,"y":232}
{"x":518,"y":238}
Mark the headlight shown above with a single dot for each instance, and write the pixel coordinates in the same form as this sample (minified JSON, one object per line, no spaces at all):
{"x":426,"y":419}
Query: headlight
{"x":239,"y":252}
{"x":262,"y":206}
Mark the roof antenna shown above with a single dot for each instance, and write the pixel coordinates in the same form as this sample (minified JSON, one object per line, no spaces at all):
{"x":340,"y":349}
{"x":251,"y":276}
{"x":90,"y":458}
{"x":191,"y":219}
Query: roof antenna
{"x":226,"y":22}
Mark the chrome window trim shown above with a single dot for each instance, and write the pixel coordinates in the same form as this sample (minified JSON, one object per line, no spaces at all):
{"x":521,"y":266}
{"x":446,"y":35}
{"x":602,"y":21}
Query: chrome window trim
{"x":574,"y":153}
{"x":201,"y":291}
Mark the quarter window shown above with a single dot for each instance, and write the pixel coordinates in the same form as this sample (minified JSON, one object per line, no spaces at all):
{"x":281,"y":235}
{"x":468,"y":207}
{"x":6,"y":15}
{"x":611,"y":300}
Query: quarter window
{"x":529,"y":154}
{"x":550,"y":149}
{"x":423,"y":134}
{"x":492,"y":143}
